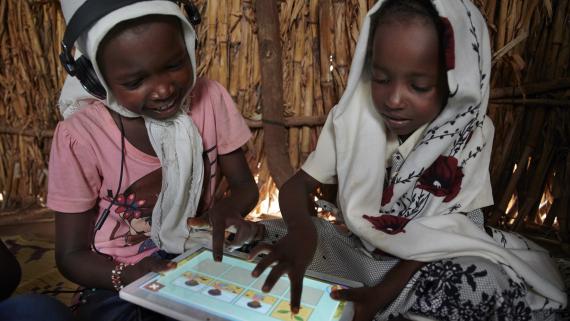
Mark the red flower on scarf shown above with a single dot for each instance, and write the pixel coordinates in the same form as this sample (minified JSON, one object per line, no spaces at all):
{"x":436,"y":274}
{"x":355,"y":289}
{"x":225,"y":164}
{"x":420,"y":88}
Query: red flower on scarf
{"x":389,"y":224}
{"x":387,"y":194}
{"x":442,"y":178}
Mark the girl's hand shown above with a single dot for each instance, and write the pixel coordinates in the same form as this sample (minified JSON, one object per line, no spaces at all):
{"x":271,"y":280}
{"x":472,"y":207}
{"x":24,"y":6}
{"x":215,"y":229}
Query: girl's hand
{"x":367,"y":301}
{"x":155,"y":264}
{"x":147,"y":265}
{"x":231,"y":210}
{"x":222,"y":218}
{"x":292,"y":254}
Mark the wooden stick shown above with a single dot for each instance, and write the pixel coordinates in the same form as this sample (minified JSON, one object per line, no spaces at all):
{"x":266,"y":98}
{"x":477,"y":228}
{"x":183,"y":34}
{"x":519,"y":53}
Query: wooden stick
{"x":299,"y":30}
{"x":501,"y":158}
{"x":275,"y":135}
{"x":500,"y":38}
{"x":26,"y":216}
{"x":532,"y":141}
{"x":536,"y":186}
{"x":508,"y":47}
{"x":558,"y":188}
{"x":293,"y":121}
{"x":561,"y":205}
{"x":288,"y":122}
{"x":342,"y":50}
{"x":222,"y":40}
{"x":531,"y":89}
{"x":46,"y":133}
{"x":326,"y":32}
{"x":538,"y":102}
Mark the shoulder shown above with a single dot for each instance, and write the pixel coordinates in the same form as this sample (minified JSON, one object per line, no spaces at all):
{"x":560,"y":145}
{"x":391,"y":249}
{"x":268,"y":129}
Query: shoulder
{"x":217,"y":117}
{"x":205,"y":87}
{"x":209,"y":93}
{"x":87,"y":123}
{"x":91,"y":113}
{"x":211,"y":102}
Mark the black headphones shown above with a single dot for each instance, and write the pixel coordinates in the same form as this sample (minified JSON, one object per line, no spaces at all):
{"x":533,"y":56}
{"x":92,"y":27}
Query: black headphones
{"x":85,"y":17}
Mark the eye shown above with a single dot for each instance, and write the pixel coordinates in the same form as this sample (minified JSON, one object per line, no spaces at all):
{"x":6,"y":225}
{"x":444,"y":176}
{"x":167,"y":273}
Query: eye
{"x":381,"y":80}
{"x":133,"y":84}
{"x":177,"y":65}
{"x":421,"y":89}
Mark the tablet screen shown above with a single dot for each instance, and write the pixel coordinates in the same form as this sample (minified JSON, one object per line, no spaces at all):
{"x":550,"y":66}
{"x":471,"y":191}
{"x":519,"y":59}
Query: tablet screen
{"x":228,"y":291}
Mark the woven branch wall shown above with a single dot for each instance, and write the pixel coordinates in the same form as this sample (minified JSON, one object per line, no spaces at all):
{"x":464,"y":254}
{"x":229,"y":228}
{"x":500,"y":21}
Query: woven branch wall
{"x":530,"y":102}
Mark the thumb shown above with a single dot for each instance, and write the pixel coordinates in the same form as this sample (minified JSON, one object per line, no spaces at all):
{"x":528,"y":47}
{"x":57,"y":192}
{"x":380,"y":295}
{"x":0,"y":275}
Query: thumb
{"x":355,"y":295}
{"x":162,"y":265}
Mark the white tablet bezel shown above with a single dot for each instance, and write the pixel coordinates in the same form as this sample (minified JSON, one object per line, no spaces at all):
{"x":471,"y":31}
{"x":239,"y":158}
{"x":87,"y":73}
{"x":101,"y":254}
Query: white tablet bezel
{"x":135,"y":294}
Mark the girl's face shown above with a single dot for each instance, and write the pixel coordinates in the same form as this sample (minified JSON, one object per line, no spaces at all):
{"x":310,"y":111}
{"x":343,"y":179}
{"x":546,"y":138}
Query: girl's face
{"x":147,"y":67}
{"x":406,"y":77}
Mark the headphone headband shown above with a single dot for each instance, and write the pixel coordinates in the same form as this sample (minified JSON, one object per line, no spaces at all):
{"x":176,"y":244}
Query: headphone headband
{"x":88,"y":14}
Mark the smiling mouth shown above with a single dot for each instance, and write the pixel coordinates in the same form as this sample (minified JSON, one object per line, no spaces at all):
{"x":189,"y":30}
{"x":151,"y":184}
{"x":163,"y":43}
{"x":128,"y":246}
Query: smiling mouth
{"x":165,"y":107}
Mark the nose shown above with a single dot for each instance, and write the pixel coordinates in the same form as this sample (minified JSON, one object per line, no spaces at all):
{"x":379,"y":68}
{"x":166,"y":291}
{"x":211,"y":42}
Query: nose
{"x":162,"y":89}
{"x":395,"y":97}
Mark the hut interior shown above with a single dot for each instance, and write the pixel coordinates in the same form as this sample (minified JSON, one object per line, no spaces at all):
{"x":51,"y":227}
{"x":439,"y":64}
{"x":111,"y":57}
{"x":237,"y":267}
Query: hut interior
{"x":311,"y":43}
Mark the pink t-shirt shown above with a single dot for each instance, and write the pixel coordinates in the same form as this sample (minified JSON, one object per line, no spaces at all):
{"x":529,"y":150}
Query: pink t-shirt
{"x":85,"y":161}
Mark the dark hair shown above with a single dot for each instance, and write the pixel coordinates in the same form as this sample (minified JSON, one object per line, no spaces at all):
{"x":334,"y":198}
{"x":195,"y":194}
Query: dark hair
{"x":407,"y":11}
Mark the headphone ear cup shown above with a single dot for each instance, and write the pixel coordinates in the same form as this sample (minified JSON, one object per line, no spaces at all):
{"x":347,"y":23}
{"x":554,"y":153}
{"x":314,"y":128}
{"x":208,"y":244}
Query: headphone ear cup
{"x":192,"y":13}
{"x":88,"y":78}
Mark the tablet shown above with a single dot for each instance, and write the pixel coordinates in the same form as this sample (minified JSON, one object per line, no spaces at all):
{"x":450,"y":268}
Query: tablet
{"x":202,"y":289}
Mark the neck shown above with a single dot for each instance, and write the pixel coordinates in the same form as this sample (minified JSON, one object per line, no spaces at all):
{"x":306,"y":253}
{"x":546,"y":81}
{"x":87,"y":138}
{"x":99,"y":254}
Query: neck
{"x":135,"y":132}
{"x":403,"y":138}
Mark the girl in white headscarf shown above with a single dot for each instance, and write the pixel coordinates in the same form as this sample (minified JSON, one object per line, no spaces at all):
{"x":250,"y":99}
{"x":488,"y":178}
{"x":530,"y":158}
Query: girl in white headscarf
{"x":408,"y":146}
{"x":127,"y":172}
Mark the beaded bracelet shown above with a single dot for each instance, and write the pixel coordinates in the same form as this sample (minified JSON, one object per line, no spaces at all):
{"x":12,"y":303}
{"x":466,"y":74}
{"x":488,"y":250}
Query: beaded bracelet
{"x":116,"y":276}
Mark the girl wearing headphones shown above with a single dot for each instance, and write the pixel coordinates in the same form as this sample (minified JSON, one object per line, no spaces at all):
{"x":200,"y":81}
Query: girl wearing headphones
{"x":139,"y":157}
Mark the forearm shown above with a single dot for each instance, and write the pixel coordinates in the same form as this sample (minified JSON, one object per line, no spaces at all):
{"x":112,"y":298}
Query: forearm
{"x":397,"y":278}
{"x":243,"y":194}
{"x":86,"y":268}
{"x":295,"y":200}
{"x":242,"y":199}
{"x":93,"y":270}
{"x":75,"y":258}
{"x":404,"y":270}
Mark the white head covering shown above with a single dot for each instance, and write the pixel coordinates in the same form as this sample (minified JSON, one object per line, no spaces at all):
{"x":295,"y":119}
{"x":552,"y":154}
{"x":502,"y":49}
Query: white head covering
{"x":421,"y":215}
{"x":176,"y":141}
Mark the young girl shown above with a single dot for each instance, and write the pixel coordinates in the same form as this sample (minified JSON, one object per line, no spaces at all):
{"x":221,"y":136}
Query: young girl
{"x":409,"y":147}
{"x":128,"y":171}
